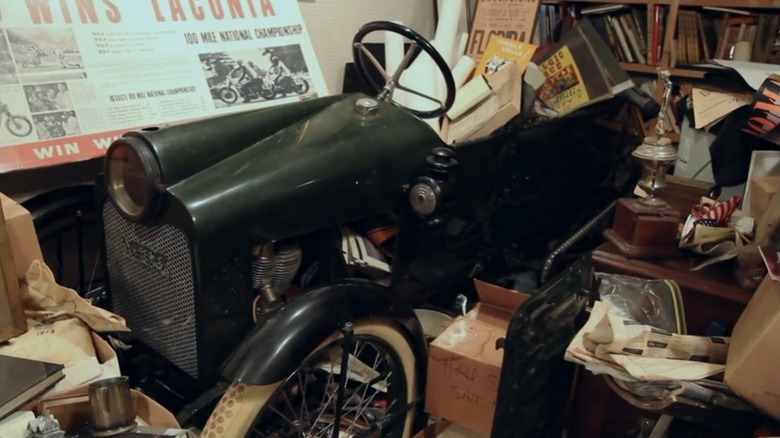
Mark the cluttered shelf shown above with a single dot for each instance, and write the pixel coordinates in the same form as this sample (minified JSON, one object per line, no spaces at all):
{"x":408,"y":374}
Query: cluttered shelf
{"x":729,"y":3}
{"x":651,"y":69}
{"x":712,"y":3}
{"x":622,"y":2}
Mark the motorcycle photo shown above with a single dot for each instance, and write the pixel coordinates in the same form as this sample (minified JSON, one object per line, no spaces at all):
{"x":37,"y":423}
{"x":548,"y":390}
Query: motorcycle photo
{"x":250,"y":89}
{"x":263,"y":87}
{"x":289,"y":85}
{"x":18,"y":126}
{"x":271,"y":261}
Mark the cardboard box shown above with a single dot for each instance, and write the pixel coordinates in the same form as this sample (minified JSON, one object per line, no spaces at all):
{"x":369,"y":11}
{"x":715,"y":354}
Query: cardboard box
{"x":22,"y":236}
{"x":464,"y":366}
{"x":104,"y":365}
{"x":485,"y":114}
{"x":445,"y":429}
{"x":761,"y":192}
{"x":72,"y":409}
{"x":752,"y":363}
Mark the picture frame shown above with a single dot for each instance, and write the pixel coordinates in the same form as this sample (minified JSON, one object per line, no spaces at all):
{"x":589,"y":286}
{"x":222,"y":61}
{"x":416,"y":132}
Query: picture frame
{"x":12,"y":320}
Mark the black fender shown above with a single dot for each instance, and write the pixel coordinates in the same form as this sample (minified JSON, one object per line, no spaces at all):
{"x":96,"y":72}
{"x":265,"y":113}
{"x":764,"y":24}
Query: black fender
{"x":277,"y":346}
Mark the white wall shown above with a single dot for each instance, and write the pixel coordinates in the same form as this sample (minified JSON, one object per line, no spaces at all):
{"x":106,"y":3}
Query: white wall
{"x":332,"y":24}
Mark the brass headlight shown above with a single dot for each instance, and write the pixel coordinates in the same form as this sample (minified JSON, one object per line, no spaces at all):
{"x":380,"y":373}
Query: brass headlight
{"x":132,"y":175}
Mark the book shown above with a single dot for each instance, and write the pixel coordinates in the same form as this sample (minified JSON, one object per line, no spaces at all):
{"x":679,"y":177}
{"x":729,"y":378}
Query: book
{"x":580,"y":70}
{"x":500,"y":51}
{"x":23,"y":379}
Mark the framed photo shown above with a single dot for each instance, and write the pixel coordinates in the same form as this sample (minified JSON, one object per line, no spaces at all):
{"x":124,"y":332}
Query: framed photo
{"x":12,"y":321}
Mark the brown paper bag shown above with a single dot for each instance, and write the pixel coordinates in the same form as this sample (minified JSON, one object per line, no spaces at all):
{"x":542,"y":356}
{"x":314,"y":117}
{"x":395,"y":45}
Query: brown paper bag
{"x":42,"y":294}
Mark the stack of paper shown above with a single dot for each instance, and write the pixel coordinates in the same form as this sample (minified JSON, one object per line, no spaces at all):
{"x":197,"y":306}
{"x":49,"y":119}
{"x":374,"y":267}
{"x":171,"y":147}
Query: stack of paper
{"x":631,"y":351}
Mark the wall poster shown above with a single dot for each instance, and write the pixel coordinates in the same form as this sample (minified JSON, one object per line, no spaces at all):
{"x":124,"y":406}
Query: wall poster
{"x":76,"y":74}
{"x":513,"y":19}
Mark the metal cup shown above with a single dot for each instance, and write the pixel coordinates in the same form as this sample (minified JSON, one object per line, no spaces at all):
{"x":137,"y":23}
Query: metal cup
{"x":112,"y":410}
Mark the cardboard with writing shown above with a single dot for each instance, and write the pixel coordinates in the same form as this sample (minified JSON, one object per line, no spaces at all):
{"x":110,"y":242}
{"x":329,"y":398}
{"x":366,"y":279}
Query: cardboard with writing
{"x":68,"y":342}
{"x":751,"y":366}
{"x":464,"y":365}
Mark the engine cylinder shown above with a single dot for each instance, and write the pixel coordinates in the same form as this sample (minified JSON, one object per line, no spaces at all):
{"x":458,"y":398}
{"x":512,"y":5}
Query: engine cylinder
{"x":273,"y":269}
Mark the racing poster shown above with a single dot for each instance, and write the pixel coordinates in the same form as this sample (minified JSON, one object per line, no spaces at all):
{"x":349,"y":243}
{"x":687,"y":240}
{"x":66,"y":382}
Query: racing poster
{"x":77,"y":74}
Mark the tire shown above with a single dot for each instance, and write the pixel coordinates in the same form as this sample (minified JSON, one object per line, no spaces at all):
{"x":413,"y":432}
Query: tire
{"x":267,"y":93}
{"x":228,"y":95}
{"x":302,"y":87}
{"x":18,"y":126}
{"x":240,"y":406}
{"x":67,"y":223}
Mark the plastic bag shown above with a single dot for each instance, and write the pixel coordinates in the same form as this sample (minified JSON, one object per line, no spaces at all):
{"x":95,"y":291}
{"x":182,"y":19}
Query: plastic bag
{"x":653,"y":302}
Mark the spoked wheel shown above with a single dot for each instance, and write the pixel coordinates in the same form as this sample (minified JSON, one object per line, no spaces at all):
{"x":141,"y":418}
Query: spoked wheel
{"x":228,"y":95}
{"x":376,"y":399}
{"x":18,"y":126}
{"x":302,"y":87}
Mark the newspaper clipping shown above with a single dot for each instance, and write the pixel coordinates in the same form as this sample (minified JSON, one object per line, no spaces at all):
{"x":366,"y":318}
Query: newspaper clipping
{"x":76,"y":74}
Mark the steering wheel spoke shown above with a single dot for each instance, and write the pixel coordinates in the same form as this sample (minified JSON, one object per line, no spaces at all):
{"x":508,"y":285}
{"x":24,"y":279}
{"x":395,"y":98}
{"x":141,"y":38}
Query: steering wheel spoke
{"x":410,"y":54}
{"x":418,"y":44}
{"x":374,"y":61}
{"x":417,"y":93}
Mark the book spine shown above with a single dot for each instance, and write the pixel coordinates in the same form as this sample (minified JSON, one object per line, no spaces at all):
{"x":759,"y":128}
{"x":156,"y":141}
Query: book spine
{"x":656,"y":34}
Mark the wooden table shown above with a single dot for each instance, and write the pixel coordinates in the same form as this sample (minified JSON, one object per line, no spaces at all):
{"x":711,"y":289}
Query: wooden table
{"x":709,"y":295}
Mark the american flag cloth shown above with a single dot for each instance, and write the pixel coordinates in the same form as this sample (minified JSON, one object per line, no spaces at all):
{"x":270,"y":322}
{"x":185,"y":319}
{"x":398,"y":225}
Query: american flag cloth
{"x":717,"y":214}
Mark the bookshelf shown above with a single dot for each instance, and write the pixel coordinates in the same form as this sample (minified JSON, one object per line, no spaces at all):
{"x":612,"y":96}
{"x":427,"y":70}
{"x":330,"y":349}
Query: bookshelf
{"x":674,"y":51}
{"x":651,"y":69}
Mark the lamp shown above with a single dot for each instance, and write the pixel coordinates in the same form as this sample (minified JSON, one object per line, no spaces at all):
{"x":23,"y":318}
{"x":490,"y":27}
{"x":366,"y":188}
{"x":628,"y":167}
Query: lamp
{"x":647,"y":227}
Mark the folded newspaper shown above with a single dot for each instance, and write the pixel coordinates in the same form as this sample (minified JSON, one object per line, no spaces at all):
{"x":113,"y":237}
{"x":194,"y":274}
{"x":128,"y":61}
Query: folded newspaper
{"x":631,"y":351}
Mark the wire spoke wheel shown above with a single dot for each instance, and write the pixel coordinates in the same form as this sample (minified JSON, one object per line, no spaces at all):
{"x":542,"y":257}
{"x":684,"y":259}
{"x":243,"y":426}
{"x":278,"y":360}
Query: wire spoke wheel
{"x":19,"y":126}
{"x":372,"y":401}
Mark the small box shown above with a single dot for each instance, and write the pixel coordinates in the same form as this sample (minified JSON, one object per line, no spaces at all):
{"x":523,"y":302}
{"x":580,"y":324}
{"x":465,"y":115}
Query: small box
{"x":752,"y":363}
{"x":464,"y":365}
{"x":21,"y":235}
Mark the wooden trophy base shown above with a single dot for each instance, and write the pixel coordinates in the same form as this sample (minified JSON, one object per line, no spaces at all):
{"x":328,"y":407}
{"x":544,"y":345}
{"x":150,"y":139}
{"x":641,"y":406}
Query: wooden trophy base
{"x":643,"y":231}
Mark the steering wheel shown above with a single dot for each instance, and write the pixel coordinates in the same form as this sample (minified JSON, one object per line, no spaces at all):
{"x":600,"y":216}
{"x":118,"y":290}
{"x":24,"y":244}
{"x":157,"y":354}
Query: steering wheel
{"x":360,"y":53}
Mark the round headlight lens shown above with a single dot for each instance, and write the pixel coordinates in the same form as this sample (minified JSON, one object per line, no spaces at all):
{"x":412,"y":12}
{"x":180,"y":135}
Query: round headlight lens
{"x":131,"y":176}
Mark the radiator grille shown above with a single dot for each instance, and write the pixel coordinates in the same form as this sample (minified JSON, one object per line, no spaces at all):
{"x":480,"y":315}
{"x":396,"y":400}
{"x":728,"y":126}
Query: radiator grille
{"x":150,"y":275}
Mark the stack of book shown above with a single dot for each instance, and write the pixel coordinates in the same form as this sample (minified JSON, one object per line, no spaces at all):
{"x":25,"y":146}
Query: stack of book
{"x":634,"y":34}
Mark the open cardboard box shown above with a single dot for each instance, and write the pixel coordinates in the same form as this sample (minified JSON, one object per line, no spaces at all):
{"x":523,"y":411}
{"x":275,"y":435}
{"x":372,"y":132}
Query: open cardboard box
{"x":484,"y":105}
{"x":71,"y":409}
{"x":104,"y":365}
{"x":464,"y":365}
{"x":445,"y":429}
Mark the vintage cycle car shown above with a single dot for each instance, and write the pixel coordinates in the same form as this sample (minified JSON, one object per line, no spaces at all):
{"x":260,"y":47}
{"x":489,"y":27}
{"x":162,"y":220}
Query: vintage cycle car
{"x":223,"y":244}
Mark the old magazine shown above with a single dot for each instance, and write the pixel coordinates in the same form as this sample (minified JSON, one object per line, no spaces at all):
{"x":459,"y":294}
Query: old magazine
{"x":580,"y":70}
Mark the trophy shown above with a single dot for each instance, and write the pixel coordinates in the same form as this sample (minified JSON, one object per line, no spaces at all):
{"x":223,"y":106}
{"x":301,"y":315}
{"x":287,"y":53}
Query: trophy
{"x":647,"y":227}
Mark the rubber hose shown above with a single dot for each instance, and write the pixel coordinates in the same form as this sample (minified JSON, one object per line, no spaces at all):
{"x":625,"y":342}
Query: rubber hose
{"x":568,"y":243}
